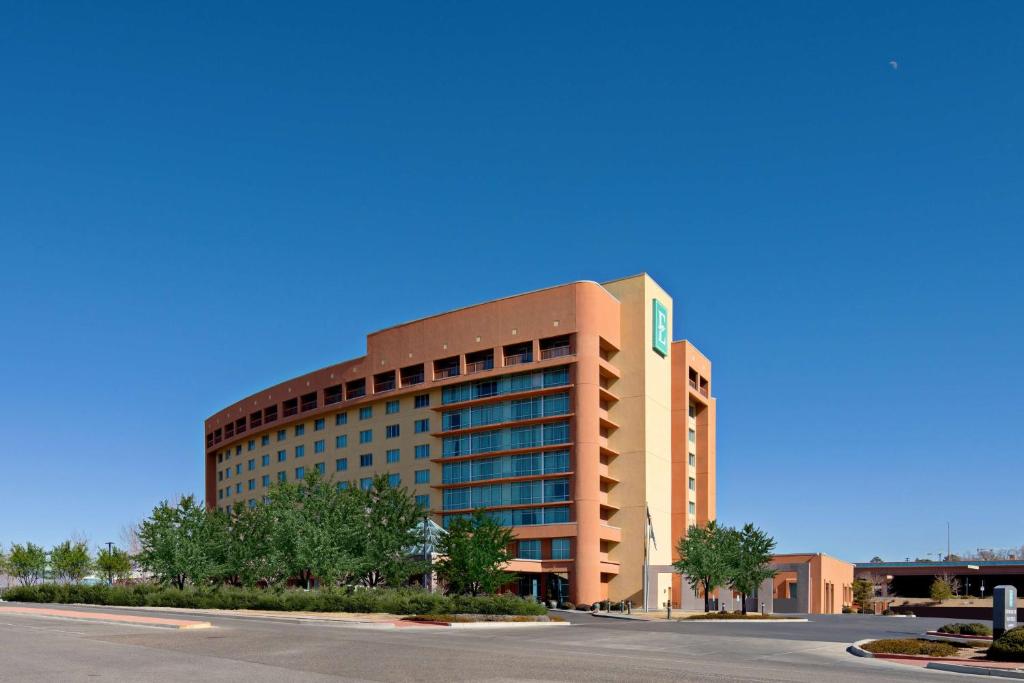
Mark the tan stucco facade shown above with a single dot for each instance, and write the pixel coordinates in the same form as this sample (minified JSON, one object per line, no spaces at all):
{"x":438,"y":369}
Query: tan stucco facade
{"x":831,"y":581}
{"x":631,"y":429}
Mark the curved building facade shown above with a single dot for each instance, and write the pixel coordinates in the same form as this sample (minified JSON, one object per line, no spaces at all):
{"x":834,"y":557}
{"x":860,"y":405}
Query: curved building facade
{"x":568,"y":413}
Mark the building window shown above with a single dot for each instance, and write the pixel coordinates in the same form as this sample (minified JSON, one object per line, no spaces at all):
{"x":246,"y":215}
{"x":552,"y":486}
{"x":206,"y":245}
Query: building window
{"x":220,"y":494}
{"x":341,"y":464}
{"x":366,"y":460}
{"x":321,"y":468}
{"x":341,"y":441}
{"x":342,"y":485}
{"x":238,"y":487}
{"x":341,"y":419}
{"x":394,"y":480}
{"x":422,"y":425}
{"x":366,"y":412}
{"x":693,"y":508}
{"x":318,"y":446}
{"x":220,"y":476}
{"x":238,"y":468}
{"x":693,"y":410}
{"x":252,"y":484}
{"x":366,"y":436}
{"x":423,"y":451}
{"x":394,"y":455}
{"x":282,"y":434}
{"x":282,"y":477}
{"x":693,"y":436}
{"x":227,"y":473}
{"x":423,"y":501}
{"x":529,"y":550}
{"x":265,"y":480}
{"x":693,"y":484}
{"x":318,"y":424}
{"x":265,"y":439}
{"x":282,"y":456}
{"x":422,"y":476}
{"x":300,"y":451}
{"x":391,"y":431}
{"x":251,"y":464}
{"x":421,"y":401}
{"x":300,"y":472}
{"x":693,"y":460}
{"x":300,"y":430}
{"x":251,"y":446}
{"x":560,"y":549}
{"x":220,"y":458}
{"x":391,"y":407}
{"x":265,"y":460}
{"x":366,"y":483}
{"x":238,"y":450}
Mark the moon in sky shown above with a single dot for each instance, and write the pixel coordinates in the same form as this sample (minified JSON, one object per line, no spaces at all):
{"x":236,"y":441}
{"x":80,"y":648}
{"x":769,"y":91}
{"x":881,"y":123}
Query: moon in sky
{"x":894,"y":64}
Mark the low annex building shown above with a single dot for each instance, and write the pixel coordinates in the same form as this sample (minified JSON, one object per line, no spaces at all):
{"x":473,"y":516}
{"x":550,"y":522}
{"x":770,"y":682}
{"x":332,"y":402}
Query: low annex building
{"x":568,"y":413}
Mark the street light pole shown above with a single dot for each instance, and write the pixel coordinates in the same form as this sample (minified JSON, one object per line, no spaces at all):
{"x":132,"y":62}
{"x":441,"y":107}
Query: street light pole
{"x":110,"y":553}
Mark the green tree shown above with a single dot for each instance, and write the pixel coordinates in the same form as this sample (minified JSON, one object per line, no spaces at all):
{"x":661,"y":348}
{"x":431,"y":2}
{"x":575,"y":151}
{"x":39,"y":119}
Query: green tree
{"x":474,"y":554}
{"x":751,"y":558}
{"x":942,"y":588}
{"x":706,"y":557}
{"x":249,"y":555}
{"x":27,"y":563}
{"x":70,"y":561}
{"x":863,"y":594}
{"x":114,"y":563}
{"x":180,"y":543}
{"x":387,"y":531}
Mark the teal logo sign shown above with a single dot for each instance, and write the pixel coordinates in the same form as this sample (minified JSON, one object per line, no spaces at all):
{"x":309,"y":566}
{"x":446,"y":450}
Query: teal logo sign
{"x":659,"y":327}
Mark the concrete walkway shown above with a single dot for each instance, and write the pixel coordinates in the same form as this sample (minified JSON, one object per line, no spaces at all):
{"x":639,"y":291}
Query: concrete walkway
{"x":108,"y":617}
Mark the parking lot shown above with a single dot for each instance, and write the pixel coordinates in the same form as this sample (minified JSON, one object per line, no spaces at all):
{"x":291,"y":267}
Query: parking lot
{"x":241,"y":648}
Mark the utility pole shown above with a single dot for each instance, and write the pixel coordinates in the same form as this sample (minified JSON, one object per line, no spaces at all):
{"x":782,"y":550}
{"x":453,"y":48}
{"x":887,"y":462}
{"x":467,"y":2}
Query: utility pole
{"x":948,"y":551}
{"x":110,"y":553}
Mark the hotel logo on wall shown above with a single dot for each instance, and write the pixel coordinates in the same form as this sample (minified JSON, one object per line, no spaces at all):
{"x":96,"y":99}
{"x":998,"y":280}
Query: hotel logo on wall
{"x":659,"y":327}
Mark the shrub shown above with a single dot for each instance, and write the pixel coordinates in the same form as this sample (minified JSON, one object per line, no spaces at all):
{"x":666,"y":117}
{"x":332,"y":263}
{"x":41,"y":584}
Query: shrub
{"x":910,"y":646}
{"x":847,"y":610}
{"x":568,"y":605}
{"x":391,"y":600}
{"x":583,"y":607}
{"x":887,"y":613}
{"x":1008,"y":647}
{"x":974,"y":629}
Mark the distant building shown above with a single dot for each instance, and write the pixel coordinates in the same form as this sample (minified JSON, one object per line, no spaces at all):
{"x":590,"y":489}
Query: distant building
{"x":914,"y":579}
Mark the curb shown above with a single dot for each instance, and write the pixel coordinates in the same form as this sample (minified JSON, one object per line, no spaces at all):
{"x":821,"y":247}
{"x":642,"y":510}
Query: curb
{"x":741,"y":621}
{"x":976,"y":670}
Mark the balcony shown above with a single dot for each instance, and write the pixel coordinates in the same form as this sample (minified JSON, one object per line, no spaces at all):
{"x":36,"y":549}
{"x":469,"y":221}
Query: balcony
{"x":518,"y":359}
{"x":693,"y":385}
{"x":333,"y":395}
{"x":556,"y":352}
{"x":703,"y":391}
{"x":479,"y":366}
{"x":445,"y":373}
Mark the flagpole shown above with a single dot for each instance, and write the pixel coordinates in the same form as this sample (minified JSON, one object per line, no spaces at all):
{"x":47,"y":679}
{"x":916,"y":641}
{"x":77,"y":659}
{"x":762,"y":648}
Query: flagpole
{"x":647,"y":552}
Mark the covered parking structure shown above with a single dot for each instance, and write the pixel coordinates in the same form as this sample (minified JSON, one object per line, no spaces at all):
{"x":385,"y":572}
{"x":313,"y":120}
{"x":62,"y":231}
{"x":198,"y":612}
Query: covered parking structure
{"x":914,"y":579}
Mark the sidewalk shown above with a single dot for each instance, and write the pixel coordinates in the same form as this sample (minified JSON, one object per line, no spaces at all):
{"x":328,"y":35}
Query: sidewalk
{"x":105,"y":617}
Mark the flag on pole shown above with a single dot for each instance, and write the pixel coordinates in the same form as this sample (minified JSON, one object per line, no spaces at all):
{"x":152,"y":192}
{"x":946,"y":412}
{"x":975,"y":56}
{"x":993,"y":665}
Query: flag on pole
{"x":650,"y":528}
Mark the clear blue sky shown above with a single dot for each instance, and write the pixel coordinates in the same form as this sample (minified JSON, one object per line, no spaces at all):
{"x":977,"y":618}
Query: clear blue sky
{"x":197,"y":202}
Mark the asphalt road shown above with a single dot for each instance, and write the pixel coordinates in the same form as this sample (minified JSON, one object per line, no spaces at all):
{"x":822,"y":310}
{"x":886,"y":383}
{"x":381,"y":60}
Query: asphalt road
{"x":246,"y":649}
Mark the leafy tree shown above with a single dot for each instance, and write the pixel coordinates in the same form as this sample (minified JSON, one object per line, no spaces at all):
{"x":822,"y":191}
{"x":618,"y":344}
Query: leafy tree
{"x":249,"y":556}
{"x":751,"y":552}
{"x":70,"y":561}
{"x":27,"y":563}
{"x":180,"y":543}
{"x":705,"y":558}
{"x":387,"y":530}
{"x":474,"y":554}
{"x":114,"y":564}
{"x":943,"y":588}
{"x":863,"y":593}
{"x":876,"y":560}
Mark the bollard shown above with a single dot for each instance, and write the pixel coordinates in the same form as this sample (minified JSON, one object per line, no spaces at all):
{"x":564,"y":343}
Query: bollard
{"x":668,"y":607}
{"x":622,"y":607}
{"x":762,"y":609}
{"x":629,"y":607}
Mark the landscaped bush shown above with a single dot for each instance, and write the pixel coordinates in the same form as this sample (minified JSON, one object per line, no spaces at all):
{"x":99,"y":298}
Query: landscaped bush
{"x":847,"y":610}
{"x":1008,"y":647}
{"x":910,"y":646}
{"x":583,"y":607}
{"x":966,"y":629}
{"x":568,"y":605}
{"x":392,"y":600}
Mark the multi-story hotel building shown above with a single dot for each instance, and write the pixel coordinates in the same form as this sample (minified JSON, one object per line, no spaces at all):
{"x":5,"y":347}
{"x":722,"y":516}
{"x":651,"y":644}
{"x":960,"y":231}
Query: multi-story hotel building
{"x":567,"y":412}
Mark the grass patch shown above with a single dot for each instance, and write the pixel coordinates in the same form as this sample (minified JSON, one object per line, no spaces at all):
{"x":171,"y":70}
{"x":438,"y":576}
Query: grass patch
{"x":958,"y":629}
{"x":727,"y":616}
{"x":383,"y":600}
{"x":910,"y":646}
